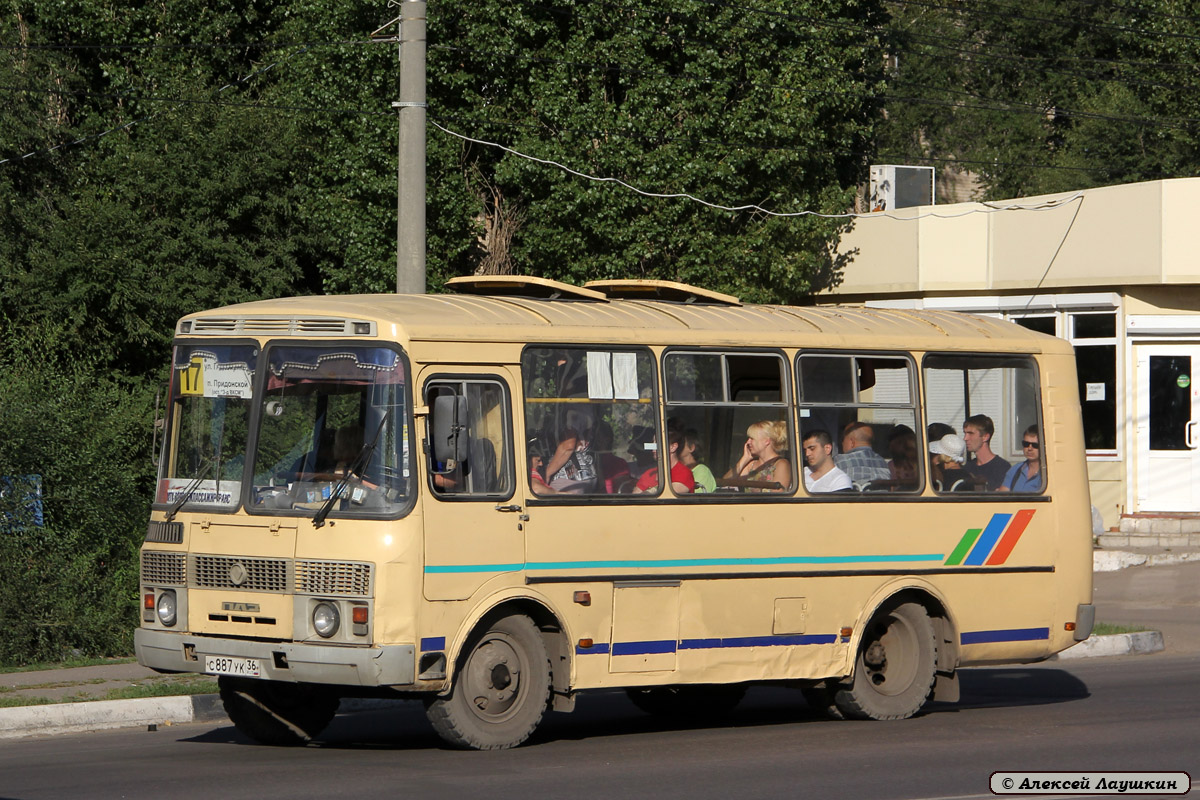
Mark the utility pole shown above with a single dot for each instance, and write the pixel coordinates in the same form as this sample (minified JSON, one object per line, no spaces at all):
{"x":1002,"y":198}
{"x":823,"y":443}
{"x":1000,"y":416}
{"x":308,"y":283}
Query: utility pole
{"x":410,"y":201}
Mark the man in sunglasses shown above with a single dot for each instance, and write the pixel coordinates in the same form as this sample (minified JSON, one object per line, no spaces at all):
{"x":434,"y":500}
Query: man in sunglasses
{"x":1026,"y":476}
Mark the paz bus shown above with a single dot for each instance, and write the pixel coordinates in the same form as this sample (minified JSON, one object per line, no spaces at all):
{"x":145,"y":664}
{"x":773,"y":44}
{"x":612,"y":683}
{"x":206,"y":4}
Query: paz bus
{"x":497,"y":498}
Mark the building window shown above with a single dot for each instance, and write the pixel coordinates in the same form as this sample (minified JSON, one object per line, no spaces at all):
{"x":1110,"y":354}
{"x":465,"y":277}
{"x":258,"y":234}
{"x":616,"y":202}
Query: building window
{"x":1095,"y":340}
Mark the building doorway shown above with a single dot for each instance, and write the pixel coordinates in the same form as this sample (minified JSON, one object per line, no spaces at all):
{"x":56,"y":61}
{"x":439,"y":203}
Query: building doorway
{"x":1168,"y":427}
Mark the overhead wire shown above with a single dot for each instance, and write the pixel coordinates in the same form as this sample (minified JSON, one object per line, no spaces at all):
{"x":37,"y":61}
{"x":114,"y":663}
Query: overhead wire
{"x":985,"y":207}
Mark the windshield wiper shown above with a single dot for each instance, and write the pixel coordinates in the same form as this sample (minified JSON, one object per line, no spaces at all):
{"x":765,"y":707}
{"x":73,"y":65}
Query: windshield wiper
{"x":191,"y":487}
{"x":357,"y":467}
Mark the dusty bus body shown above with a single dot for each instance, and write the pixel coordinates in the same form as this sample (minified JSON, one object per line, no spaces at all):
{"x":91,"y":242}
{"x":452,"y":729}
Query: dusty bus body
{"x":353,"y":501}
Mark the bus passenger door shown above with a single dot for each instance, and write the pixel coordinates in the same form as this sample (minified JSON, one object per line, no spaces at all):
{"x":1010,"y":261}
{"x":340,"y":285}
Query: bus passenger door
{"x":645,"y":627}
{"x":474,"y":508}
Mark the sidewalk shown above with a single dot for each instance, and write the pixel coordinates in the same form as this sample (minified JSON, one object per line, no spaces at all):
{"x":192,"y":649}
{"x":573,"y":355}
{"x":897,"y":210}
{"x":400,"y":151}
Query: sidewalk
{"x":1162,"y":595}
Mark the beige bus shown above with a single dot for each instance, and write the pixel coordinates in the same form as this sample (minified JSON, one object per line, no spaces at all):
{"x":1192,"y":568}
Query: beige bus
{"x":496,"y":499}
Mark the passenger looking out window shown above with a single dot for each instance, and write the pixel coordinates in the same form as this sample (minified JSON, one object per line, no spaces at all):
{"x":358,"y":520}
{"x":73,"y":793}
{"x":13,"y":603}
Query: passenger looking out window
{"x":690,"y":455}
{"x":1026,"y":476}
{"x":764,"y":457}
{"x":977,"y":433}
{"x":682,"y":480}
{"x":821,"y":474}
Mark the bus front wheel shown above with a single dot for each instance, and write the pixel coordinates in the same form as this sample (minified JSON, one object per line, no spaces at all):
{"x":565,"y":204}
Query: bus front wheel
{"x":286,"y":714}
{"x":895,"y":668}
{"x":501,"y":690}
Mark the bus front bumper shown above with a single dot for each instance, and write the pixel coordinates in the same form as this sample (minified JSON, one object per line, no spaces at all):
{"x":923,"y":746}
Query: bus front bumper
{"x":292,"y":662}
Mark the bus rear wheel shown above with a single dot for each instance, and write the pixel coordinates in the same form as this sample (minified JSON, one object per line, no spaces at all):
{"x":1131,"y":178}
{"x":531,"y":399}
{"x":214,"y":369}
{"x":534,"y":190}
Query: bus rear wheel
{"x":283,"y":714}
{"x":501,"y":690}
{"x":895,"y":668}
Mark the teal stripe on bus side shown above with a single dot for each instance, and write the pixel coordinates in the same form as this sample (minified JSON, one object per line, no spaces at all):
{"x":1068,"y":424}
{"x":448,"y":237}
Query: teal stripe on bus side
{"x":684,"y":562}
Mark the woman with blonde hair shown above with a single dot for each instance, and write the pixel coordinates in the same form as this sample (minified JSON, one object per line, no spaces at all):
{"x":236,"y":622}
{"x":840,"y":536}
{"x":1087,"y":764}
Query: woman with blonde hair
{"x":764,"y":456}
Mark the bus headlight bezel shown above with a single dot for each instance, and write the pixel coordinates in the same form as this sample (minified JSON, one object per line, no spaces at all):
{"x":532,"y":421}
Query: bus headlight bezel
{"x":166,"y":608}
{"x":326,"y":619}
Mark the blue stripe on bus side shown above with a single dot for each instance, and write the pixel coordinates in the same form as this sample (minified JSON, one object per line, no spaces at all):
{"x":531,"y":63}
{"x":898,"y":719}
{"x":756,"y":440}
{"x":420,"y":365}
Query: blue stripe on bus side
{"x":1011,"y":635}
{"x":436,"y":569}
{"x":668,"y":646}
{"x":643,"y":648}
{"x":758,"y":641}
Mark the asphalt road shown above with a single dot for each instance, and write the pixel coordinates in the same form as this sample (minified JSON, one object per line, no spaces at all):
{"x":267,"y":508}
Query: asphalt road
{"x":1130,"y":713}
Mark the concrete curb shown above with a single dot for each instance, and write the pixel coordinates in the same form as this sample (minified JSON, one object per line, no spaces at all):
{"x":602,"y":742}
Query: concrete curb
{"x":1113,"y":560}
{"x":47,"y":720}
{"x":1120,"y":644}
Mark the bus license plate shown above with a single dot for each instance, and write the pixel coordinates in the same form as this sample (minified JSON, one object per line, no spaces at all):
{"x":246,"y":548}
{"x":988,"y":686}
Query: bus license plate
{"x":221,"y":665}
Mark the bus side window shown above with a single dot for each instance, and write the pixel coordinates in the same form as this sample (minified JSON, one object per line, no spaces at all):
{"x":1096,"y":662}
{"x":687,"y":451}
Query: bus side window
{"x":590,"y":420}
{"x":733,"y":410}
{"x":866,"y":403}
{"x":980,"y":410}
{"x":486,"y":471}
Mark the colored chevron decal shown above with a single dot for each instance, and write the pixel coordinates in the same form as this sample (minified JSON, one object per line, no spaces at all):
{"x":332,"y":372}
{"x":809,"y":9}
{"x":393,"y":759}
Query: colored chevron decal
{"x":992,"y":544}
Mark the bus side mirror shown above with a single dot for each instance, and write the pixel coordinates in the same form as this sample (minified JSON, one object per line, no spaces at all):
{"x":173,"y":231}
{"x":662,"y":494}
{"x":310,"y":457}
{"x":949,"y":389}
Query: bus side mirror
{"x":449,"y":435}
{"x":160,"y":425}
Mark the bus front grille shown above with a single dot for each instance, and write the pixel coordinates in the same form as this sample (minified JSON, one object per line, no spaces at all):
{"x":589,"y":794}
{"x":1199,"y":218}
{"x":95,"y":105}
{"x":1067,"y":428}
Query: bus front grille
{"x":246,"y":574}
{"x":164,"y":569}
{"x":344,"y":578}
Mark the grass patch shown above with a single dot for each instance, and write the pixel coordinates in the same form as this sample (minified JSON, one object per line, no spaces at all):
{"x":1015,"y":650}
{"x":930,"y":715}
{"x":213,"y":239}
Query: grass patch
{"x":156,"y":688}
{"x":16,"y":702}
{"x":1109,"y":629}
{"x":161,"y":690}
{"x":68,"y":664}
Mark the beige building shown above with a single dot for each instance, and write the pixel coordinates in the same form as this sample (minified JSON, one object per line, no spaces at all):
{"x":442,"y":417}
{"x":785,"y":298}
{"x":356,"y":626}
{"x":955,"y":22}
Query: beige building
{"x":1115,"y":270}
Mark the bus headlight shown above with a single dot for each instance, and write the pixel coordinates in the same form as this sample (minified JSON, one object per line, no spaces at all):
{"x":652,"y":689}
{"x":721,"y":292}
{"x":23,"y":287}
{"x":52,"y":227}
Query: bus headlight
{"x":166,"y":607}
{"x":326,"y":620}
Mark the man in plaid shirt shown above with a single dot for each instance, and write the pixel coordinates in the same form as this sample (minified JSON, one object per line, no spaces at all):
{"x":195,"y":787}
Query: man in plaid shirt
{"x":858,"y":459}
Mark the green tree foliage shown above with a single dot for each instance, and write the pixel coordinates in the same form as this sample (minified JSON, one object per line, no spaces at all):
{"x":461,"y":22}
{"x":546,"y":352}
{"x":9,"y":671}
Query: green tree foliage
{"x":1045,"y":96}
{"x":771,"y":104}
{"x":158,"y":159}
{"x":71,"y":583}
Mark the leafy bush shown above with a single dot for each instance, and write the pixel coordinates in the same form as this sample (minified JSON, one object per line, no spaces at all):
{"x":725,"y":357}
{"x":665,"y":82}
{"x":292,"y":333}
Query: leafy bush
{"x":71,"y":583}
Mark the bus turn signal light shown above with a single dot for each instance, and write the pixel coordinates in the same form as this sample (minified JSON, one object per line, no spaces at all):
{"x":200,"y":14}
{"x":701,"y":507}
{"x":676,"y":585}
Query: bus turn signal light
{"x":1070,"y":626}
{"x":583,"y":598}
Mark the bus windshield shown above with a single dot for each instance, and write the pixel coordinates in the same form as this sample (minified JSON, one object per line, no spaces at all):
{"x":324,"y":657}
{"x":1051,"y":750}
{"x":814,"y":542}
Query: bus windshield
{"x":332,"y":425}
{"x":211,"y":390}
